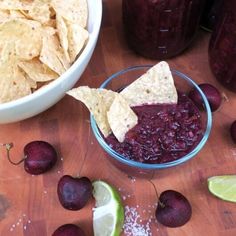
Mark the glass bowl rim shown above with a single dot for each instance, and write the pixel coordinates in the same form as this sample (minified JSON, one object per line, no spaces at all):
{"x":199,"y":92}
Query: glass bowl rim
{"x":122,"y":159}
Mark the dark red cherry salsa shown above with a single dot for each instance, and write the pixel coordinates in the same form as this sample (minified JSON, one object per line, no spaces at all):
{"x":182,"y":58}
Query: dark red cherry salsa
{"x":164,"y":133}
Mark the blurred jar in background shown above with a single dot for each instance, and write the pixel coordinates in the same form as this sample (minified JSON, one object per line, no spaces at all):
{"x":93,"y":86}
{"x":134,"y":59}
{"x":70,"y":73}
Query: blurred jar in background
{"x":161,"y":29}
{"x":222,"y":47}
{"x":210,"y":14}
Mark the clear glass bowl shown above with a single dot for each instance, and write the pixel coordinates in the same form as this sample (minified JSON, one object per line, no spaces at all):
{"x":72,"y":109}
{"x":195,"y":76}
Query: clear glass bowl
{"x":183,"y":83}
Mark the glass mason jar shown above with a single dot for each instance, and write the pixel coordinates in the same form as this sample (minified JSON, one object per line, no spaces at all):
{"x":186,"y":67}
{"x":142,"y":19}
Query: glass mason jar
{"x":161,"y":29}
{"x":222,"y":46}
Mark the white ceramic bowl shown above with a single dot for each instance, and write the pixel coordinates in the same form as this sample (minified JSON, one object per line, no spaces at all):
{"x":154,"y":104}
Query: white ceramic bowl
{"x":44,"y":98}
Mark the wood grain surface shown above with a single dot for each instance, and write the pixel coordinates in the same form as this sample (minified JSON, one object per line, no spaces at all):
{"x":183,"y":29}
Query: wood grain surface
{"x":29,"y":205}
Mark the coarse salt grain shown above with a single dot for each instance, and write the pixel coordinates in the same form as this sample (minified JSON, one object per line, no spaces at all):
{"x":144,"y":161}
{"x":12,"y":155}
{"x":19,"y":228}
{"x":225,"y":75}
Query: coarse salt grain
{"x":18,"y":223}
{"x":132,"y":179}
{"x":131,"y":225}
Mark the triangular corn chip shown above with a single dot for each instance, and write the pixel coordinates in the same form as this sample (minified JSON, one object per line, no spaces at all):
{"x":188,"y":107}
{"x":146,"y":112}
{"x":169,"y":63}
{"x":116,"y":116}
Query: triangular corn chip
{"x":63,"y":34}
{"x":13,"y":84}
{"x":25,"y":35}
{"x":98,"y":101}
{"x":77,"y":37}
{"x":37,"y":71}
{"x":75,"y":11}
{"x":155,"y":86}
{"x":121,"y":117}
{"x":52,"y":55}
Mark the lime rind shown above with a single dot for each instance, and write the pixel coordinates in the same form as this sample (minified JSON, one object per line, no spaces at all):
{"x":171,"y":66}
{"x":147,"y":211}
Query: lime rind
{"x":223,"y":187}
{"x":113,"y":207}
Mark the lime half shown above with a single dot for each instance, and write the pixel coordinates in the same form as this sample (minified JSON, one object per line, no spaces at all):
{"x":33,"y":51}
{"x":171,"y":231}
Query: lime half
{"x":108,"y":215}
{"x":223,"y":187}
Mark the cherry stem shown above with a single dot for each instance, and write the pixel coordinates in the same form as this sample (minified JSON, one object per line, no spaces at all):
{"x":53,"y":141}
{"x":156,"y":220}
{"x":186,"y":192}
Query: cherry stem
{"x":9,"y":146}
{"x":161,"y":204}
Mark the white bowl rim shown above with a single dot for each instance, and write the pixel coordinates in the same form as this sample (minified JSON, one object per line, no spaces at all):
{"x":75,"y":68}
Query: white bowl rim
{"x":64,"y":76}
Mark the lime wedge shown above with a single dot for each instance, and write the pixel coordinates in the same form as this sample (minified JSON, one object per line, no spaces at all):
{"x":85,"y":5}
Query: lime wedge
{"x":108,"y":215}
{"x":223,"y":187}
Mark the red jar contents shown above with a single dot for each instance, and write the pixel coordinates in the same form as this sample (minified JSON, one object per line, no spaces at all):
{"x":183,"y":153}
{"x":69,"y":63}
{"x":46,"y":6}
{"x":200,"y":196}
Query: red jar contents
{"x":164,"y":133}
{"x":222,"y":47}
{"x":161,"y":29}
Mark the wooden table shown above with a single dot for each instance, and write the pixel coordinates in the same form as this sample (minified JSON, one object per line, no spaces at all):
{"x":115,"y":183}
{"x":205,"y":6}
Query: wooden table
{"x":29,"y":205}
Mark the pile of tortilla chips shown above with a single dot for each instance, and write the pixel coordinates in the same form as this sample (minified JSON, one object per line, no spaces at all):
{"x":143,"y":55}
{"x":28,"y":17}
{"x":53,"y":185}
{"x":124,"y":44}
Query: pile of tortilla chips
{"x":112,"y":111}
{"x":39,"y":40}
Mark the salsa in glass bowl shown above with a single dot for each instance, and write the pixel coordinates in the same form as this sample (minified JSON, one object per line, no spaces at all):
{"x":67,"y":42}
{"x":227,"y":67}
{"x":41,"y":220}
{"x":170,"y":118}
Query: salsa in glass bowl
{"x":166,"y":135}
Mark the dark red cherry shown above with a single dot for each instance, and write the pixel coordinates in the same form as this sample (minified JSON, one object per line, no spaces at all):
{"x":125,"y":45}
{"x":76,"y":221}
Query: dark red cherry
{"x":68,"y":230}
{"x":173,"y":209}
{"x":74,"y":193}
{"x":40,"y":156}
{"x":212,"y":94}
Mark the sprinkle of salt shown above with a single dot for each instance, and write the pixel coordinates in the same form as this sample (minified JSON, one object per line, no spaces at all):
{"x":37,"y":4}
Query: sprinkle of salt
{"x":133,"y":226}
{"x":18,"y":223}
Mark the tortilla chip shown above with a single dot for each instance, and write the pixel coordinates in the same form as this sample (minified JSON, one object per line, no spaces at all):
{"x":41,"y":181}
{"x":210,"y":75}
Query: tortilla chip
{"x":4,"y":12}
{"x":37,"y":71}
{"x":77,"y":37}
{"x":48,"y":31}
{"x":32,"y":83}
{"x":63,"y":33}
{"x":75,"y":11}
{"x":16,"y":14}
{"x":40,"y":11}
{"x":51,"y":23}
{"x":155,"y":86}
{"x":7,"y":53}
{"x":121,"y":117}
{"x":4,"y":15}
{"x":98,"y":101}
{"x":15,"y":4}
{"x":34,"y":42}
{"x":52,"y":54}
{"x":25,"y":35}
{"x":13,"y":84}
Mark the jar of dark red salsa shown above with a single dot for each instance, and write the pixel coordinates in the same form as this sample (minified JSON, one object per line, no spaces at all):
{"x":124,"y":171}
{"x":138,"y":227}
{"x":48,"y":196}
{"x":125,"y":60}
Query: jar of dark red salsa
{"x":161,"y":29}
{"x":222,"y":47}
